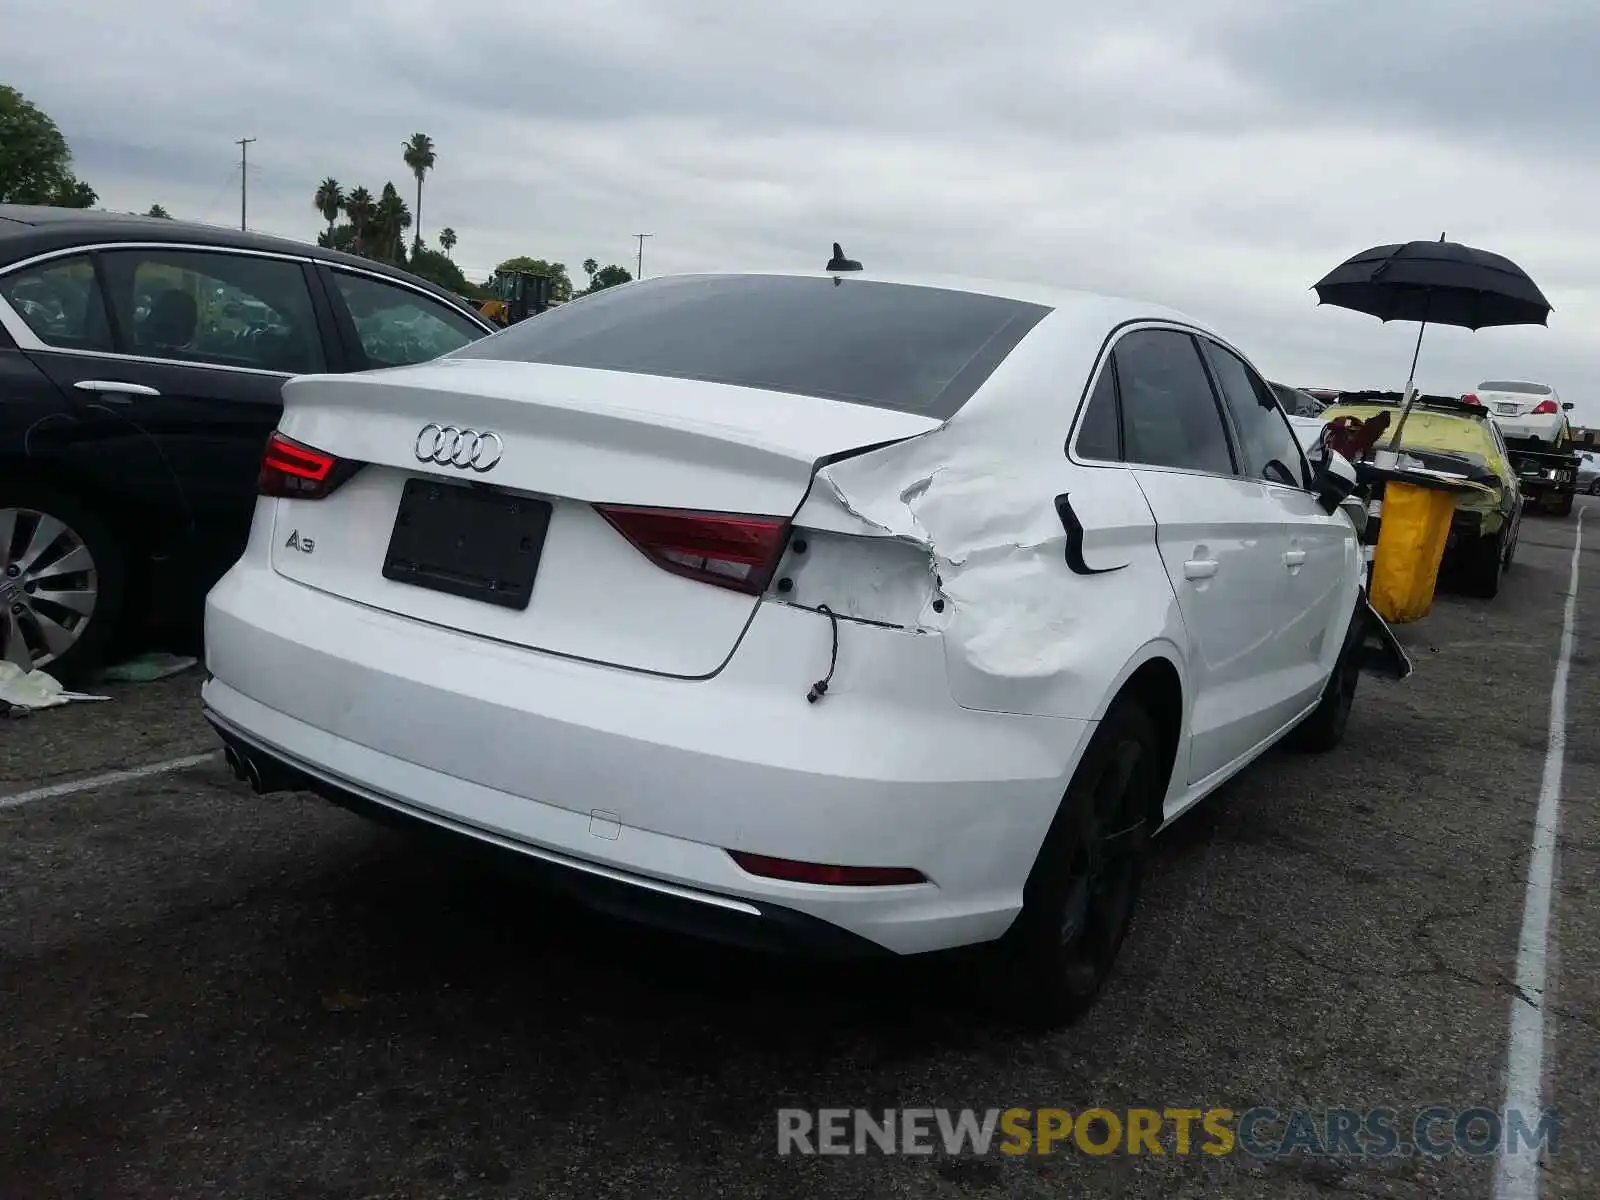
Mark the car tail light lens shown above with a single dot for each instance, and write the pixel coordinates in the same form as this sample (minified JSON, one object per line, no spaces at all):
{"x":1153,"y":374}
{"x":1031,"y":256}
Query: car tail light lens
{"x":728,"y":549}
{"x":290,"y":469}
{"x":1546,"y":406}
{"x":803,"y":872}
{"x":1472,"y":398}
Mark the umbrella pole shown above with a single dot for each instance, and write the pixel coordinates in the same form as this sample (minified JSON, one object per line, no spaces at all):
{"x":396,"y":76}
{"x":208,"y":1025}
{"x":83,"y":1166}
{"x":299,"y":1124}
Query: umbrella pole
{"x":1411,"y":389}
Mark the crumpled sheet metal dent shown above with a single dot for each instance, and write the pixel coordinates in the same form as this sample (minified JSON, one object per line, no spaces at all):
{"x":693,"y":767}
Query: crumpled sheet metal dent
{"x":991,"y":552}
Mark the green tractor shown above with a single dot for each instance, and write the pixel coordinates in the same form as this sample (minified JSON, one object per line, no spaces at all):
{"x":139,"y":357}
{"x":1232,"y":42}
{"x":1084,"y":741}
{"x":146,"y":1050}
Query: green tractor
{"x":521,"y":295}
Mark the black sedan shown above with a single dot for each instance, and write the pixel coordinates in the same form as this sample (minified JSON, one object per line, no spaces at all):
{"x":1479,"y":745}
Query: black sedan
{"x":140,"y":367}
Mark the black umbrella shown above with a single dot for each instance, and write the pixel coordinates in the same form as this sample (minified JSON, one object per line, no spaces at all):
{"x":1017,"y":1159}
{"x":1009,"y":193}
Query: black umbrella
{"x":1443,"y":283}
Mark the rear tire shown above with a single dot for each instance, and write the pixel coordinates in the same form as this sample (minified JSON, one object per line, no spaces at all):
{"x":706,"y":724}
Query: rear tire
{"x":1482,"y":562}
{"x":1563,"y":506}
{"x":30,"y":613}
{"x":1324,"y":728}
{"x":1080,"y":896}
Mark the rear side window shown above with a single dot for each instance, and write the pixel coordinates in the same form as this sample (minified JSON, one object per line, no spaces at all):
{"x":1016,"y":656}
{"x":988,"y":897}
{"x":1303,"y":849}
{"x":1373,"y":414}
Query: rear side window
{"x":397,"y":326}
{"x":61,"y":302}
{"x":1268,"y":443}
{"x":1100,"y":434}
{"x":914,"y":349}
{"x":1169,"y":413}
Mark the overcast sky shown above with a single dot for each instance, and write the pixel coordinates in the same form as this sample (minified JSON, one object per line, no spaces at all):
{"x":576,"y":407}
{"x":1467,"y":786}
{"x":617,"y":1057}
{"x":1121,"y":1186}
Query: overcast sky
{"x":1216,"y":155}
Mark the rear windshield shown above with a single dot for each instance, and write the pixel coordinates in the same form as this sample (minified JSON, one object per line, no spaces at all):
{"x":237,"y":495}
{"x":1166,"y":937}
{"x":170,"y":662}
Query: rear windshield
{"x":914,"y":349}
{"x":1509,"y":385}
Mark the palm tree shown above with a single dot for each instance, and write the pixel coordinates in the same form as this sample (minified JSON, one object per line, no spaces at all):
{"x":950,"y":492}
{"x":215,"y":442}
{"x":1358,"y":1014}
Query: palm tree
{"x":361,"y":209}
{"x":589,"y":268}
{"x":447,"y":240}
{"x":418,"y":153}
{"x":392,"y":221}
{"x":328,"y":202}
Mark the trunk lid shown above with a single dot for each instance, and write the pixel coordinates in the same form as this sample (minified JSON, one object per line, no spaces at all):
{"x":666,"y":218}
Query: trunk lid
{"x":568,"y":439}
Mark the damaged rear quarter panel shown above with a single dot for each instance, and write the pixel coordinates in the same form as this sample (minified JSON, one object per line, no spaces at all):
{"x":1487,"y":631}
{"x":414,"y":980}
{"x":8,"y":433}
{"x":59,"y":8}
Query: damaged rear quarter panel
{"x":974,"y":503}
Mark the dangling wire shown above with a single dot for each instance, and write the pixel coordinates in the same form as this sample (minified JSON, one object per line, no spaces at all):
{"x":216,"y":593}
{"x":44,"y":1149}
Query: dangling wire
{"x":820,"y":687}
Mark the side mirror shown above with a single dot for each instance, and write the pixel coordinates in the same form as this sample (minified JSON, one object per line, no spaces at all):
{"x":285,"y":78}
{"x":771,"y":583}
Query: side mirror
{"x":1335,"y":478}
{"x":1566,"y":406}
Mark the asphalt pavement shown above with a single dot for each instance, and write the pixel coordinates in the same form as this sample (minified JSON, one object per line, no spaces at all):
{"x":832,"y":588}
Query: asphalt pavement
{"x":207,"y":993}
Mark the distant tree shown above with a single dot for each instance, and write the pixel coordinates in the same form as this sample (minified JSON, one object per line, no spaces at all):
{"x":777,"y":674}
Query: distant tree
{"x":390,"y":223}
{"x":447,"y":240}
{"x":35,"y":163}
{"x":419,"y":156}
{"x":589,"y":268}
{"x":76,"y":194}
{"x":329,"y":201}
{"x":157,"y":211}
{"x":362,"y":210}
{"x":610,"y":276}
{"x":437,"y":268}
{"x":560,"y":281}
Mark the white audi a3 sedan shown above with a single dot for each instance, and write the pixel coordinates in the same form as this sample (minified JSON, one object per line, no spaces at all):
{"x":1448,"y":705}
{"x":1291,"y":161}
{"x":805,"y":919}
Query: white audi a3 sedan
{"x":815,"y":611}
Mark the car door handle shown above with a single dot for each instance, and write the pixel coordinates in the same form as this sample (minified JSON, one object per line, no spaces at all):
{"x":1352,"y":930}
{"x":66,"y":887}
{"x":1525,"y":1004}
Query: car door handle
{"x":1200,"y":568}
{"x":1294,"y":558}
{"x":113,"y":387}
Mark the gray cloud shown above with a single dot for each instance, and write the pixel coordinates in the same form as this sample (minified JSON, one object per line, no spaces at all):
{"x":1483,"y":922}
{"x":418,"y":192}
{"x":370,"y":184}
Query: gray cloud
{"x":1217,"y":156}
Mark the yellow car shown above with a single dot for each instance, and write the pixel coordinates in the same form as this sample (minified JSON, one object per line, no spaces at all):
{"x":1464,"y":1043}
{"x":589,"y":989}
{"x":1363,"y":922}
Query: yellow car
{"x":1448,"y":434}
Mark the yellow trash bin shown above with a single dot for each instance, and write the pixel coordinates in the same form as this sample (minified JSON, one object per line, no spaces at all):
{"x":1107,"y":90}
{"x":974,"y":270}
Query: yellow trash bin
{"x":1405,"y":566}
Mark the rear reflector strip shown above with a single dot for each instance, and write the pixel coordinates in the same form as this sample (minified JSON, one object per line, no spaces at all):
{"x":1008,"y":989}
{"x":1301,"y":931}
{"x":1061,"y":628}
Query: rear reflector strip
{"x":803,"y":872}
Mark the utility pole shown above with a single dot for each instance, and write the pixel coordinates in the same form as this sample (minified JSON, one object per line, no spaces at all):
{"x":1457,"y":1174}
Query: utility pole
{"x":639,"y":274}
{"x":244,"y":175}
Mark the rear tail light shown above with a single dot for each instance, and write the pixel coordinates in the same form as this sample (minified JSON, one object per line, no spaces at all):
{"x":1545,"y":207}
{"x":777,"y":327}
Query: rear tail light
{"x":803,"y":872}
{"x":1472,"y":398}
{"x":291,"y":469}
{"x":1545,"y":406}
{"x":727,"y":549}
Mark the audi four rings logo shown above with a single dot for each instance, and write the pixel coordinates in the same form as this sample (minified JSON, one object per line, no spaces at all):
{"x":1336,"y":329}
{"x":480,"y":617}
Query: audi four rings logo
{"x":464,"y":449}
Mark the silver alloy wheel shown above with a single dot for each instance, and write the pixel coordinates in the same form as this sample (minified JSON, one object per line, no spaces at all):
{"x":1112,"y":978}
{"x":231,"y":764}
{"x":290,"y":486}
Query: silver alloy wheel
{"x":48,"y":587}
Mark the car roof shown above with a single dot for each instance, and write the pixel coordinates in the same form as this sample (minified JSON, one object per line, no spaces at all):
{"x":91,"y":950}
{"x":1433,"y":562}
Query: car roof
{"x":27,"y":230}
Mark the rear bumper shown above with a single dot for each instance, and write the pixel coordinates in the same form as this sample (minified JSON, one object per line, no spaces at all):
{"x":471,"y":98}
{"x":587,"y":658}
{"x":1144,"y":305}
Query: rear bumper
{"x":647,"y":782}
{"x":756,"y":926}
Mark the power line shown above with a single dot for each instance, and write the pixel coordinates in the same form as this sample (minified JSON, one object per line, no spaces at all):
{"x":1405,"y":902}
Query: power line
{"x":244,"y":176}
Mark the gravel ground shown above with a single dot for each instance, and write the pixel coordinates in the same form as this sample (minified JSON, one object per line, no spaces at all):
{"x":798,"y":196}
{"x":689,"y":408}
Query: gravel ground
{"x":205,"y":993}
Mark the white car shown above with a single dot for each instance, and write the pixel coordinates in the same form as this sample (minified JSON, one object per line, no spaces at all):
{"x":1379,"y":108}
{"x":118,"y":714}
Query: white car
{"x":819,"y":610}
{"x":1522,"y":410}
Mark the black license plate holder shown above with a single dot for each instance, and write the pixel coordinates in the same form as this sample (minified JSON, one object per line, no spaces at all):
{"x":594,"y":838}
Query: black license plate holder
{"x":479,"y":543}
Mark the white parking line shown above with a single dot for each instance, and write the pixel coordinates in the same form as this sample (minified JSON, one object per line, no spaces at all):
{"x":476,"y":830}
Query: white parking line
{"x":1517,"y":1176}
{"x":110,"y":779}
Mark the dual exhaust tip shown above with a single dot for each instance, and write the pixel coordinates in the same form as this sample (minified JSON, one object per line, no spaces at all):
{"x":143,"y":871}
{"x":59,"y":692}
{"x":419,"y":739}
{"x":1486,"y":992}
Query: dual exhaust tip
{"x":264,"y":776}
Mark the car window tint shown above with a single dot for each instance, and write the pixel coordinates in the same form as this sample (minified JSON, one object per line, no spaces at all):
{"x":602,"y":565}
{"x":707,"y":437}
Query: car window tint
{"x":1098,"y":433}
{"x":398,"y":326}
{"x":1271,"y":451}
{"x":230,"y":310}
{"x":1169,"y":415}
{"x":896,"y":346}
{"x":61,"y":302}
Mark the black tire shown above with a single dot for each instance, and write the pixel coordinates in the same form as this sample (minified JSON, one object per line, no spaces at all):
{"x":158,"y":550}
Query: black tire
{"x":1483,"y":561}
{"x":1081,"y":893}
{"x":1324,"y":728}
{"x":87,"y":652}
{"x":1563,"y":506}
